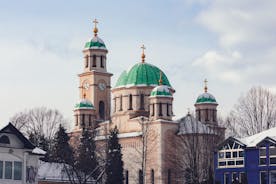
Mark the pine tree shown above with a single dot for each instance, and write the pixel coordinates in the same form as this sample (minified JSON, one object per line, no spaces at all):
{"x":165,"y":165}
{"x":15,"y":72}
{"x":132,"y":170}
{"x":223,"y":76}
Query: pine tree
{"x":62,"y":151}
{"x":114,"y":163}
{"x":87,"y":160}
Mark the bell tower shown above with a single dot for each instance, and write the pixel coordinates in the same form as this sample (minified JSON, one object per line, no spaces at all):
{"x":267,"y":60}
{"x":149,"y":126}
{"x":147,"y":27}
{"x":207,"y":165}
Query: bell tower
{"x":95,"y":81}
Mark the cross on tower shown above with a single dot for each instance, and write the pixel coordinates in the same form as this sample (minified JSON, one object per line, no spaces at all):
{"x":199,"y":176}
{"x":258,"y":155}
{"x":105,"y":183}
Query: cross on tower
{"x":143,"y":53}
{"x":95,"y":21}
{"x":205,"y":88}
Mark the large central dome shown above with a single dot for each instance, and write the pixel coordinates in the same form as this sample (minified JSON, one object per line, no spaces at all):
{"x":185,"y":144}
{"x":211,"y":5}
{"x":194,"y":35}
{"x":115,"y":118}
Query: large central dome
{"x":142,"y":74}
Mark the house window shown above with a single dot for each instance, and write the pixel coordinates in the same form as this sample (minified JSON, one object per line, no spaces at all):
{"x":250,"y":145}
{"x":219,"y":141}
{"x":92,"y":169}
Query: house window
{"x":272,"y":155}
{"x":17,"y":172}
{"x":262,"y":156}
{"x":142,"y":102}
{"x":243,"y":178}
{"x":263,"y":177}
{"x":94,"y":61}
{"x":273,"y":177}
{"x":152,"y":176}
{"x":8,"y":170}
{"x":1,"y":169}
{"x":4,"y":140}
{"x":235,"y":177}
{"x":226,"y":178}
{"x":126,"y":177}
{"x":231,"y":155}
{"x":130,"y":102}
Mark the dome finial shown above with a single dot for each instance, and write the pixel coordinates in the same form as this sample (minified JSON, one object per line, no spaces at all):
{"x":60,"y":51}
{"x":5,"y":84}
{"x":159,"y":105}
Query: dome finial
{"x":205,"y":87}
{"x":95,"y":21}
{"x":160,"y":79}
{"x":143,"y":53}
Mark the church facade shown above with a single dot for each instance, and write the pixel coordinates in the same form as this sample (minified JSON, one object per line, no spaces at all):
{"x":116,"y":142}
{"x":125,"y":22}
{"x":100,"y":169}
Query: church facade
{"x":140,"y":105}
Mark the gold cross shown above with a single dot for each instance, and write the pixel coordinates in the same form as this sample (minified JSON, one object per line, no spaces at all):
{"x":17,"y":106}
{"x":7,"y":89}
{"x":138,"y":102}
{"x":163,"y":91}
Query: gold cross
{"x":95,"y":21}
{"x":205,"y":88}
{"x":143,"y":53}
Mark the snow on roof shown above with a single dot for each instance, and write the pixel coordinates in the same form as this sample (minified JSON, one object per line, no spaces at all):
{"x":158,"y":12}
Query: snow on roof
{"x":253,"y":140}
{"x":123,"y":135}
{"x":38,"y":151}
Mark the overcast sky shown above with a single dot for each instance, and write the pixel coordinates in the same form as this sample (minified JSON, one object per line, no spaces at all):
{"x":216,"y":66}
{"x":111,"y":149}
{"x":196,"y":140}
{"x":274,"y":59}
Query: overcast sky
{"x":231,"y":43}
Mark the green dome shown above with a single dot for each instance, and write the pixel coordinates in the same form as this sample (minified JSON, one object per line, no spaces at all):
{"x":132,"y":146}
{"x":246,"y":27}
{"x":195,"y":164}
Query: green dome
{"x":95,"y":43}
{"x":206,"y":98}
{"x":84,"y":104}
{"x":142,"y":74}
{"x":161,"y":91}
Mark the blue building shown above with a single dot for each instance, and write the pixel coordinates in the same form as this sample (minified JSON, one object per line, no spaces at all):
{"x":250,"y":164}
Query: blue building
{"x":249,"y":160}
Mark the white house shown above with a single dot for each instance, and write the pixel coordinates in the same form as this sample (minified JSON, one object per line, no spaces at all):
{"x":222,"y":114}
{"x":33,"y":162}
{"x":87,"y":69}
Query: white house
{"x":18,"y":157}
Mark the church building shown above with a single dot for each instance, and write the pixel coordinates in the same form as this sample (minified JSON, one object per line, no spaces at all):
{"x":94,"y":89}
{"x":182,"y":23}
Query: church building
{"x":140,"y":105}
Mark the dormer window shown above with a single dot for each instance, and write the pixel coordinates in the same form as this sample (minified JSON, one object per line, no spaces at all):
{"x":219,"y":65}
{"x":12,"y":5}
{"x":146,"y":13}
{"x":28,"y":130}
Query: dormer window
{"x":4,"y":140}
{"x":231,"y":155}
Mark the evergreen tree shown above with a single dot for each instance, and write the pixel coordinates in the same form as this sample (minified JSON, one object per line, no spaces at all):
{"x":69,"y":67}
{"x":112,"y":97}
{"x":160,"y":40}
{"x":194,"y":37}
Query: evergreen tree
{"x":62,"y":151}
{"x":114,"y":163}
{"x":87,"y":160}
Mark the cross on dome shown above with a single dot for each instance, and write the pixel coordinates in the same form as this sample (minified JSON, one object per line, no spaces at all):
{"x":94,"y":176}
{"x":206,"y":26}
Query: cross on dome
{"x":143,"y":53}
{"x":95,"y":21}
{"x":205,"y":88}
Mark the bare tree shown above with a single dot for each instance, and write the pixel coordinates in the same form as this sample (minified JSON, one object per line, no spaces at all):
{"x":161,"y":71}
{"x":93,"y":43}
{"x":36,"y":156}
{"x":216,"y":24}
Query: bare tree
{"x":254,"y":112}
{"x":193,"y":155}
{"x":39,"y":121}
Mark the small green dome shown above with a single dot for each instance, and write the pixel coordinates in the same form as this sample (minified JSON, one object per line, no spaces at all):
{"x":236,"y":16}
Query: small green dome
{"x":84,"y":104}
{"x":95,"y":43}
{"x":206,"y":98}
{"x":162,"y":90}
{"x":142,"y":74}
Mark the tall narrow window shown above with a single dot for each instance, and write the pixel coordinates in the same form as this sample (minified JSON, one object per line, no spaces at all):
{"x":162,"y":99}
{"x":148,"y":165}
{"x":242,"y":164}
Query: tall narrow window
{"x":168,"y":109}
{"x":121,"y":103}
{"x":142,"y":102}
{"x":86,"y":61}
{"x":153,"y":109}
{"x":102,"y":61}
{"x":263,"y":177}
{"x":130,"y":102}
{"x":94,"y":61}
{"x":160,"y":109}
{"x":8,"y":170}
{"x":101,"y":110}
{"x":227,"y":178}
{"x":206,"y":115}
{"x":17,"y":172}
{"x":126,"y":177}
{"x":82,"y":120}
{"x":169,"y":176}
{"x":141,"y":177}
{"x":76,"y":120}
{"x":199,"y":115}
{"x":115,"y":104}
{"x":1,"y":169}
{"x":152,"y":176}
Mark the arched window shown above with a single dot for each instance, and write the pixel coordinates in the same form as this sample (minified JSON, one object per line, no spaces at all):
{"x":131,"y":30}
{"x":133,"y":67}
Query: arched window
{"x":168,"y":109}
{"x":130,"y":102}
{"x":142,"y":102}
{"x":121,"y":103}
{"x":152,"y":176}
{"x":4,"y":140}
{"x":160,"y":109}
{"x":101,"y":110}
{"x":102,"y":61}
{"x":94,"y":61}
{"x":86,"y":61}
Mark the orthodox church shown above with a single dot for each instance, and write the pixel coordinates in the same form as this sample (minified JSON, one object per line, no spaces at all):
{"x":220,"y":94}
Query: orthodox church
{"x":140,"y":105}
